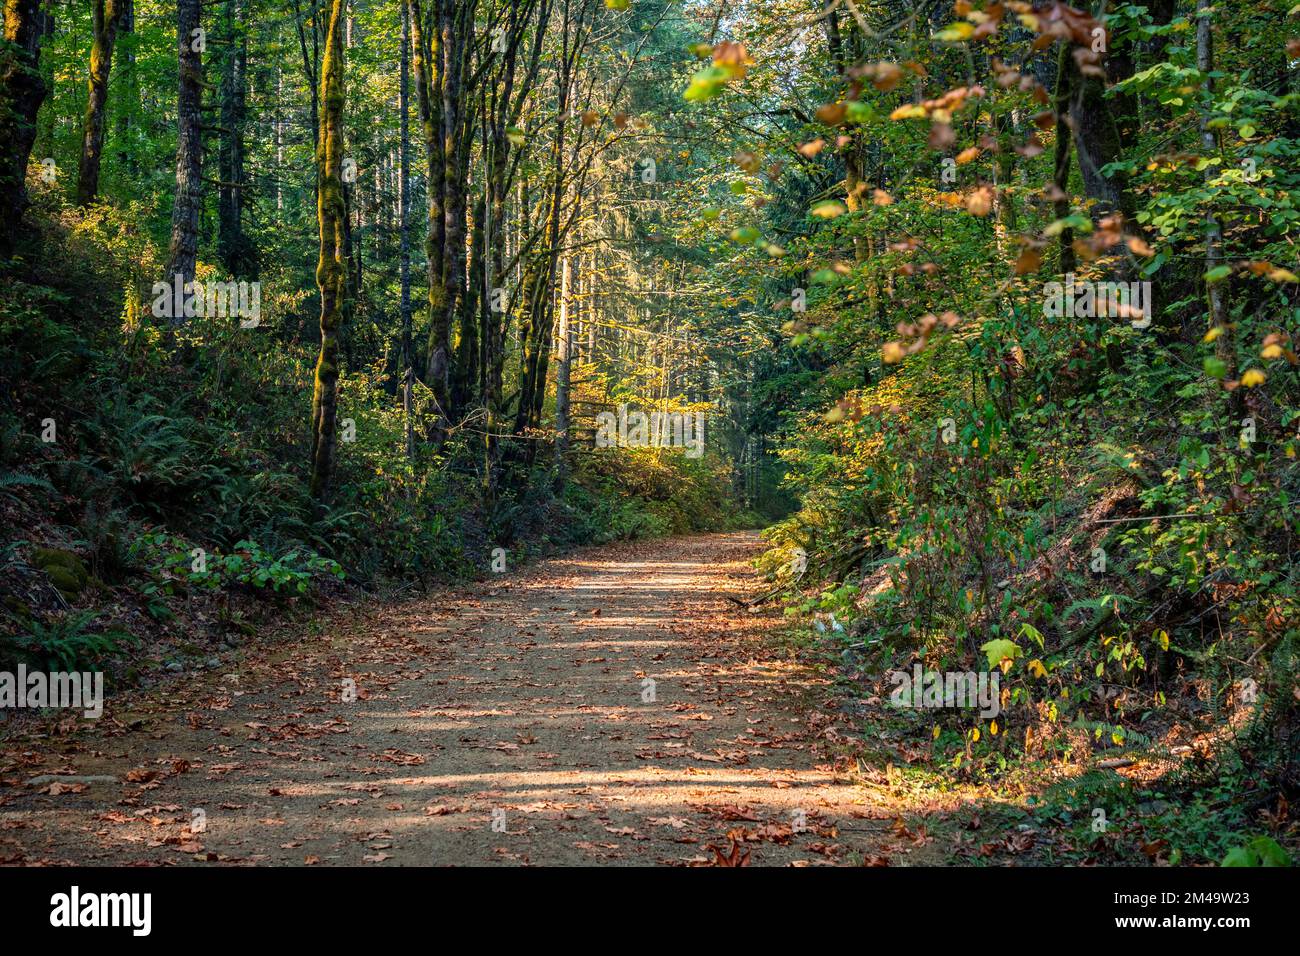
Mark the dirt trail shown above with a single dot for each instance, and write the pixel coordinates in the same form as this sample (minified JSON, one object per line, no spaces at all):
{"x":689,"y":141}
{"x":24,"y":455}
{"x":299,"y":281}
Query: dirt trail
{"x":517,"y":703}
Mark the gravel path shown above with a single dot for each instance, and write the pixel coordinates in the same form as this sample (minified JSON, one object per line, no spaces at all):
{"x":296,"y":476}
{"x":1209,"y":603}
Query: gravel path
{"x":608,"y":707}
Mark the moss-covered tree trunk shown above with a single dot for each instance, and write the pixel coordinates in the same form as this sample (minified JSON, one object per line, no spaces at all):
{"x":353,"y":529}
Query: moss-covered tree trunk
{"x":455,"y":24}
{"x":22,"y":89}
{"x":467,"y":341}
{"x":404,"y":228}
{"x":537,"y":332}
{"x":331,"y":269}
{"x":425,"y":65}
{"x":107,"y":16}
{"x":563,"y":374}
{"x":183,"y":250}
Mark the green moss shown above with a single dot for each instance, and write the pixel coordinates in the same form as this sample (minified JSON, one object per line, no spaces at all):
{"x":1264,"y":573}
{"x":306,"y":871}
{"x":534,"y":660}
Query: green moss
{"x":65,"y":570}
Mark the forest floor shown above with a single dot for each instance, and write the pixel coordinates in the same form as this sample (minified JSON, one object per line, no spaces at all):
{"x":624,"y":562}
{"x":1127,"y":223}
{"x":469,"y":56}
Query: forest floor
{"x":509,"y":722}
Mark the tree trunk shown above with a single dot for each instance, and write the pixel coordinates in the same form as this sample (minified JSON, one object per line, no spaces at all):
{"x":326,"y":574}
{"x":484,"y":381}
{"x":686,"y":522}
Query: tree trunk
{"x":426,"y":55}
{"x":563,"y":372}
{"x":331,"y":269}
{"x":404,"y":227}
{"x":1061,"y":167}
{"x":233,"y":244}
{"x":454,"y":32}
{"x":22,"y":89}
{"x":466,"y":343}
{"x":107,"y":15}
{"x":129,"y":81}
{"x":1213,"y":232}
{"x":1097,"y":122}
{"x":183,"y":250}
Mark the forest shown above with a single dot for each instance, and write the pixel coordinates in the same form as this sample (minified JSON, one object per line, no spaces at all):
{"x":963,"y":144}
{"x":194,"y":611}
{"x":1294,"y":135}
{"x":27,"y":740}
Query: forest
{"x":892,"y":405}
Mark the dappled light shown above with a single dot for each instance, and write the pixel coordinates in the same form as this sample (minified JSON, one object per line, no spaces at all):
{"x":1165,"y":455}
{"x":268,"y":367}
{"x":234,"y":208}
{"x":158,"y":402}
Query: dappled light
{"x":652,"y":432}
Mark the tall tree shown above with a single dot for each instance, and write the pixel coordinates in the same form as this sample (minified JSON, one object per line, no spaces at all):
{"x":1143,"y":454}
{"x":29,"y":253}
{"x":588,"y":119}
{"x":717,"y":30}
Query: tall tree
{"x":563,"y":373}
{"x":1213,"y":231}
{"x":456,"y":26}
{"x":22,"y":90}
{"x":233,"y":244}
{"x":183,"y":251}
{"x":425,"y":57}
{"x":106,"y":18}
{"x":331,"y":268}
{"x":404,"y":228}
{"x":129,"y":81}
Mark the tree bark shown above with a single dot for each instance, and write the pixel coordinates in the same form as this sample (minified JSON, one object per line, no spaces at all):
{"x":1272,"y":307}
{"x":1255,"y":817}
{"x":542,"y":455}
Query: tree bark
{"x":106,"y":17}
{"x":426,"y":56}
{"x":331,"y":269}
{"x":455,"y":24}
{"x":563,"y":373}
{"x":128,"y":82}
{"x":22,"y":90}
{"x":182,"y":253}
{"x":233,"y":244}
{"x":404,"y":228}
{"x":1061,"y":167}
{"x":1213,"y":232}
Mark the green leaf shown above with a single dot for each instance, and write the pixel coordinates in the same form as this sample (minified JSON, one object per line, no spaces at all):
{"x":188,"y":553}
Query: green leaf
{"x":999,"y":650}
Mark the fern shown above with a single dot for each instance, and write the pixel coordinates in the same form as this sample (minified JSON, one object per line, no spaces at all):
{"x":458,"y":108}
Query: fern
{"x":68,"y":643}
{"x":19,"y":479}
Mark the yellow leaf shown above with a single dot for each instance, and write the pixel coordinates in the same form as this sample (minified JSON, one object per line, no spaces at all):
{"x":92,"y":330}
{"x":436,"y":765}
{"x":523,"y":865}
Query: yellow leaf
{"x":829,"y":209}
{"x":1253,"y":377}
{"x":1037,"y":669}
{"x":908,"y":111}
{"x":955,"y":32}
{"x":1213,"y":334}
